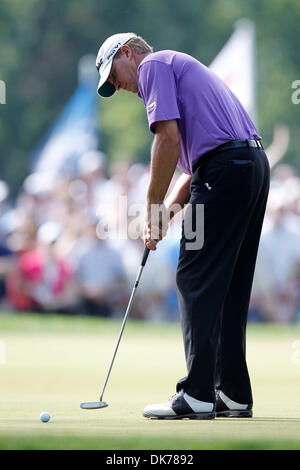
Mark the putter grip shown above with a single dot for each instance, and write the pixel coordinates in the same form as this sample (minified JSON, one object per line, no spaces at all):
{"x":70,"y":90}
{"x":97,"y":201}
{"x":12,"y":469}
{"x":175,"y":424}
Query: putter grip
{"x":146,"y":253}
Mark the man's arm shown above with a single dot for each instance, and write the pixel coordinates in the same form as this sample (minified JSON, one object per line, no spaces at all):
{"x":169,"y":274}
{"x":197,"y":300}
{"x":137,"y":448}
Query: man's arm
{"x":179,"y":196}
{"x":164,"y":157}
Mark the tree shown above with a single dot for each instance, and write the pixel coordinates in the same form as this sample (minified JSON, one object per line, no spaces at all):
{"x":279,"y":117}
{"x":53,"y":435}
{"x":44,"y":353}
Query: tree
{"x":42,"y":41}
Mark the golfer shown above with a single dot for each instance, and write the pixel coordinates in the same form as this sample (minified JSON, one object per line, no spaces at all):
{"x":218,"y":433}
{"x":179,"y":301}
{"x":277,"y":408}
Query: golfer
{"x":200,"y":127}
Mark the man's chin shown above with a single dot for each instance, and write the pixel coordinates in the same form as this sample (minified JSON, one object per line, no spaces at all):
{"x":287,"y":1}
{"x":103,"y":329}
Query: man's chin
{"x":133,"y":90}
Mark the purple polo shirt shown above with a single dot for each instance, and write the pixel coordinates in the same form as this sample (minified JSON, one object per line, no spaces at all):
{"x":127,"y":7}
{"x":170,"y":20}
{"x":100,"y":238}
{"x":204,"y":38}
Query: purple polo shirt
{"x":174,"y":85}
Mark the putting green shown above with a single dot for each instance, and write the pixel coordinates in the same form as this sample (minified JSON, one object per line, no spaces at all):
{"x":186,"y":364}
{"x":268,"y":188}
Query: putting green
{"x":52,"y":363}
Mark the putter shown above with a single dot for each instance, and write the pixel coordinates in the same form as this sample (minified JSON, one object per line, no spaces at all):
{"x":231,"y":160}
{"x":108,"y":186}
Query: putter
{"x":92,"y":405}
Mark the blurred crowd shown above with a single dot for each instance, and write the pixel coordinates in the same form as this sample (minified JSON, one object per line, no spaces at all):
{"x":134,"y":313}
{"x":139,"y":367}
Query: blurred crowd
{"x":276,"y":288}
{"x":73,"y":244}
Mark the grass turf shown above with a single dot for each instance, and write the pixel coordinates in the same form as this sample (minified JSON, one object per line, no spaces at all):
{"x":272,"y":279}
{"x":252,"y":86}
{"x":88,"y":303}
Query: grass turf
{"x":52,"y":363}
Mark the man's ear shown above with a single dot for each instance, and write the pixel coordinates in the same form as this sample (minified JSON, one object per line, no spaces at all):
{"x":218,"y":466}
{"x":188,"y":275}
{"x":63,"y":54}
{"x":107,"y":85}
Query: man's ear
{"x":126,"y":50}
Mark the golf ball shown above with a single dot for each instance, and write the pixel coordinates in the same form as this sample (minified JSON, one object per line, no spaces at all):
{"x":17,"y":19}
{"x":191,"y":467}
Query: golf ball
{"x":45,"y":416}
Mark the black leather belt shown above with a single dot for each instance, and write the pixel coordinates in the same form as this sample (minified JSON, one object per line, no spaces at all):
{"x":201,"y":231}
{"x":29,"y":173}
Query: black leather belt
{"x":232,"y":144}
{"x":235,"y":144}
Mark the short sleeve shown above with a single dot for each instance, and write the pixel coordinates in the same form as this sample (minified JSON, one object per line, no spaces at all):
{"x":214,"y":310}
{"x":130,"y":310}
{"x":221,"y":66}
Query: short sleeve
{"x":157,"y":88}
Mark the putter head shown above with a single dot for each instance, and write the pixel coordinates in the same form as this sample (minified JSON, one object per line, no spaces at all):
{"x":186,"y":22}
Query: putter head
{"x":93,"y":405}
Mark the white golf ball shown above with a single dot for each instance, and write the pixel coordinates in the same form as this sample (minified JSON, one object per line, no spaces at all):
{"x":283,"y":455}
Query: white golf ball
{"x":45,"y":416}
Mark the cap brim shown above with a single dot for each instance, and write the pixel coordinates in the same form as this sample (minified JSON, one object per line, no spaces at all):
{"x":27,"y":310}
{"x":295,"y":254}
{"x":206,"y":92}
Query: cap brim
{"x":105,"y":88}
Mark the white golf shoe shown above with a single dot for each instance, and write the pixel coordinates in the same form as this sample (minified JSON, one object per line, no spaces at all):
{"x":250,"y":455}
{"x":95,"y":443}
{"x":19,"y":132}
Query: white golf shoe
{"x":179,"y":406}
{"x":227,"y":408}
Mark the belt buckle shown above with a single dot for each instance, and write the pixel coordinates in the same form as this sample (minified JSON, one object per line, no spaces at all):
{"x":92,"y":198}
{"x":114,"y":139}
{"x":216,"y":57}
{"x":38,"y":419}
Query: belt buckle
{"x":251,"y":143}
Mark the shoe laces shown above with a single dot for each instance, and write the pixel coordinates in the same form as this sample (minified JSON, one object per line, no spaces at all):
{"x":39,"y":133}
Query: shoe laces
{"x":171,"y":399}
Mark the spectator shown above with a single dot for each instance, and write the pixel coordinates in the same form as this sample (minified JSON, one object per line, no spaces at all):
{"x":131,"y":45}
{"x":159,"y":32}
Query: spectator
{"x":158,"y":280}
{"x":100,"y":274}
{"x":278,"y":257}
{"x":27,"y":270}
{"x":55,"y":289}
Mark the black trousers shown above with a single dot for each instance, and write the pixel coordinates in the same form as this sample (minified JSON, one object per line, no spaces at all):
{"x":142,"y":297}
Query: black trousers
{"x":214,"y":282}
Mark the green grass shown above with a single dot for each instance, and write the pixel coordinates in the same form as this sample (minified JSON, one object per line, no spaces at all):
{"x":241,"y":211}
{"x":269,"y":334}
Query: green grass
{"x":54,"y":362}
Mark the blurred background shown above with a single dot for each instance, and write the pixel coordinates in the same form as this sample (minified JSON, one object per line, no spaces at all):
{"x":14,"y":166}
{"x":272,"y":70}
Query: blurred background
{"x":69,"y":158}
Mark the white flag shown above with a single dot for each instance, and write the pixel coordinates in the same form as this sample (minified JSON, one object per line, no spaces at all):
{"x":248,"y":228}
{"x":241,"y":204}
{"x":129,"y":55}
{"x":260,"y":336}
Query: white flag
{"x":235,"y":64}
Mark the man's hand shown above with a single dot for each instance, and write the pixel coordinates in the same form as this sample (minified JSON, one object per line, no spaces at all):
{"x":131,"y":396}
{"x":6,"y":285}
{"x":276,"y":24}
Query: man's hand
{"x":156,"y":225}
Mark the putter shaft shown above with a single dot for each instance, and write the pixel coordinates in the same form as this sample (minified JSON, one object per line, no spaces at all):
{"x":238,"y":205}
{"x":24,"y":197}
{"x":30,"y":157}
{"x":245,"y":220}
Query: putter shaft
{"x":145,"y":256}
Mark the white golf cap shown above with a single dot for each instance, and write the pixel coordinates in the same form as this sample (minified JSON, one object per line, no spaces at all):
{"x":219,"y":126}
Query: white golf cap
{"x":104,"y":61}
